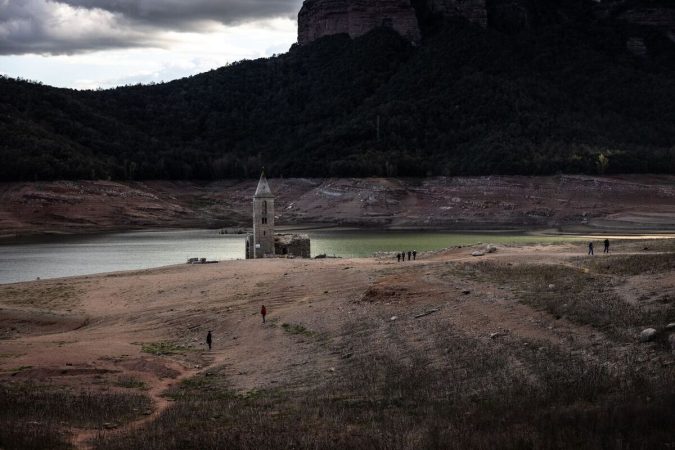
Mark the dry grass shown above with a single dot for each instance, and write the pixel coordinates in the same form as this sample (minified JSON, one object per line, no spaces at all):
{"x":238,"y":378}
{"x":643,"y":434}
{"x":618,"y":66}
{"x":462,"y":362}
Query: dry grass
{"x":480,"y":394}
{"x":36,"y":416}
{"x":162,"y":348}
{"x":582,"y":296}
{"x":631,"y":265}
{"x":50,"y":295}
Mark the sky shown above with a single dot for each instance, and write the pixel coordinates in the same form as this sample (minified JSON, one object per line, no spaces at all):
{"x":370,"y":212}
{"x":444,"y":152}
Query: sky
{"x":89,"y":44}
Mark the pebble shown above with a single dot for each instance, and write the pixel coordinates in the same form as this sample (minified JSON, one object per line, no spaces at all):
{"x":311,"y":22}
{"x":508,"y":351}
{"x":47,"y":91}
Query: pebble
{"x":647,"y":335}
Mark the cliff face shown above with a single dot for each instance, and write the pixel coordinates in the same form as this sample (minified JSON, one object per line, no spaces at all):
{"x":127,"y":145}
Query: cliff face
{"x":320,"y":18}
{"x":474,"y":10}
{"x":660,"y":18}
{"x":652,"y":14}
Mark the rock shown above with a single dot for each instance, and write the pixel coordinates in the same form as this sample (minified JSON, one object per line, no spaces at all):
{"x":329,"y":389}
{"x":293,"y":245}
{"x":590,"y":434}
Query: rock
{"x":495,"y":335}
{"x":670,"y":326}
{"x":473,"y":10}
{"x":393,"y":318}
{"x":491,"y":248}
{"x":466,"y":292}
{"x":551,"y":286}
{"x":478,"y":253}
{"x":636,"y":46}
{"x":647,"y":335}
{"x":427,"y":312}
{"x":319,"y":18}
{"x":662,"y":19}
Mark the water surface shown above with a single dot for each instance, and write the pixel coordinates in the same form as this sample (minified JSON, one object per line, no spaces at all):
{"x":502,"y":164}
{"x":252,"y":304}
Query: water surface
{"x":65,"y":256}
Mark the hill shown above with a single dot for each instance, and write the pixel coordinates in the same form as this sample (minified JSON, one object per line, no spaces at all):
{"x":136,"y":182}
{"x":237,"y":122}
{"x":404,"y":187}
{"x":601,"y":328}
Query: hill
{"x":562,"y":94}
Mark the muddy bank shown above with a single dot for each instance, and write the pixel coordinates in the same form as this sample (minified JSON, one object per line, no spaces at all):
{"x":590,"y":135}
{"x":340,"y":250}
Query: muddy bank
{"x":639,"y":202}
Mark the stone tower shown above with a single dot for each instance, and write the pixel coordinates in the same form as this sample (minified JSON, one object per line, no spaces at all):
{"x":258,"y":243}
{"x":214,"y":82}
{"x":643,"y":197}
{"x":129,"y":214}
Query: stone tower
{"x":263,"y":220}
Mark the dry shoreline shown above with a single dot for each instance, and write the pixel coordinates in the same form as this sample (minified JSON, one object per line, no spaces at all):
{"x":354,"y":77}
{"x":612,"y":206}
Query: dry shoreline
{"x":637,"y":202}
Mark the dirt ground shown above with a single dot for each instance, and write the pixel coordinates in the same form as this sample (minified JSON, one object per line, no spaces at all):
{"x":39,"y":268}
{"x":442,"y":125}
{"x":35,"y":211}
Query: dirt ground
{"x":87,"y":332}
{"x":631,"y":202}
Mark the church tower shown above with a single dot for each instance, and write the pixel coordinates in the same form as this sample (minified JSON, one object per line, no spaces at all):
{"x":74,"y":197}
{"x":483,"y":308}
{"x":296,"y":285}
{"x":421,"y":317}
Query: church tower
{"x":263,"y":219}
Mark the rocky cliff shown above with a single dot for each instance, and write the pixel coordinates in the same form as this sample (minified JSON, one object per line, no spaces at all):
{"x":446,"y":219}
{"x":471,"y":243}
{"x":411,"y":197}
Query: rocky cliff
{"x":473,"y":10}
{"x":662,"y":19}
{"x":320,"y":18}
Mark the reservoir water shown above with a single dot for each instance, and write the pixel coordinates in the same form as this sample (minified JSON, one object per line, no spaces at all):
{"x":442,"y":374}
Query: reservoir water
{"x":64,"y":256}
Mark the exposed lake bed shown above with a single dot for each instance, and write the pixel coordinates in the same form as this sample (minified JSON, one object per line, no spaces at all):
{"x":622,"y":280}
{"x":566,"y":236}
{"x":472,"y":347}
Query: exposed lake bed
{"x":342,"y":338}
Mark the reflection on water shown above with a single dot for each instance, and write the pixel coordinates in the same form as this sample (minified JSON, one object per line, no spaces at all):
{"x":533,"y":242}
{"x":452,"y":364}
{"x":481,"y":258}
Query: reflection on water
{"x":83,"y":255}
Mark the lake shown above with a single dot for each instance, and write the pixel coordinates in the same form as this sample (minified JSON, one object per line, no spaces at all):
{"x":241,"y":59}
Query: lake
{"x":64,"y":256}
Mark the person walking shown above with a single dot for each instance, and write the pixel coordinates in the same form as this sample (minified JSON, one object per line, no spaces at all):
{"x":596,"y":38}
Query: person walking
{"x":209,"y":339}
{"x":606,"y":245}
{"x":398,"y":257}
{"x":409,"y":255}
{"x":263,"y":312}
{"x":403,"y":256}
{"x":414,"y":255}
{"x":590,"y":248}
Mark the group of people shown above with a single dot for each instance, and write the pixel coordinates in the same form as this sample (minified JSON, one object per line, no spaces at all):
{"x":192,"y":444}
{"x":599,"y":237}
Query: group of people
{"x":590,"y":247}
{"x":412,"y":256}
{"x":209,"y":335}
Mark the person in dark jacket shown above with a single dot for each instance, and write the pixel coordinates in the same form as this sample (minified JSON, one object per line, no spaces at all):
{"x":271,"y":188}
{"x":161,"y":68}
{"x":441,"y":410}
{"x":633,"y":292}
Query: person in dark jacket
{"x":590,"y":248}
{"x":209,"y":339}
{"x":398,"y":257}
{"x":263,"y":312}
{"x":414,"y":255}
{"x":409,"y":256}
{"x":606,"y":245}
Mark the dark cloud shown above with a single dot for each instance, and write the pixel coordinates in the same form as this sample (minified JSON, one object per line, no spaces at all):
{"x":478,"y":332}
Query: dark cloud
{"x":73,"y":26}
{"x":191,"y":13}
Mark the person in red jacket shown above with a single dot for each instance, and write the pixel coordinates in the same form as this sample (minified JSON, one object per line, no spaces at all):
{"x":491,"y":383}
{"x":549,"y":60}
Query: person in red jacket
{"x":263,"y":312}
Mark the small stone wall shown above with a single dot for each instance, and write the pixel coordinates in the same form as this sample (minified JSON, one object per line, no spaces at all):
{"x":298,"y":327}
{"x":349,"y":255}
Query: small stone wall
{"x":296,"y":245}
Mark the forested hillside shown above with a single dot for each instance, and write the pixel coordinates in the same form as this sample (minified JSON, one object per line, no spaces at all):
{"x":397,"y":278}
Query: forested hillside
{"x":564,"y":97}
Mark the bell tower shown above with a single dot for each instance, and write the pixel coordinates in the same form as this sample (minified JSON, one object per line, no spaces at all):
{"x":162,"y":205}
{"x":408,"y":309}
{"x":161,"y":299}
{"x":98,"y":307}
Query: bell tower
{"x":263,"y":220}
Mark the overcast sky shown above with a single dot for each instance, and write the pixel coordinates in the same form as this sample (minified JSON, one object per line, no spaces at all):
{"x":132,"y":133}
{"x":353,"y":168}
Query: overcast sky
{"x":104,"y":43}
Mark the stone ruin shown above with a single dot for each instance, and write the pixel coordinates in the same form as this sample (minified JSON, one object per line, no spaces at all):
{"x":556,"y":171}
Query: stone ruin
{"x":263,"y":242}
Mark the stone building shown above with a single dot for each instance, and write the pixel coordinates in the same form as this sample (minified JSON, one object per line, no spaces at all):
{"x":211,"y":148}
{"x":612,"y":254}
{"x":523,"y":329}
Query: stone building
{"x":263,"y":242}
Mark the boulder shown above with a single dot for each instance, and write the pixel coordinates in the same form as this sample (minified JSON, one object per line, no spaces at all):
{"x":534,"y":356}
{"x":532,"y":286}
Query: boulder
{"x":478,"y":253}
{"x":491,"y":248}
{"x":647,"y":335}
{"x":670,"y":326}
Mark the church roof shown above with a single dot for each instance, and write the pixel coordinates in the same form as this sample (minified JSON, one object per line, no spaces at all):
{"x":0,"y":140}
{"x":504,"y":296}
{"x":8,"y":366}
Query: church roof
{"x":263,"y":188}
